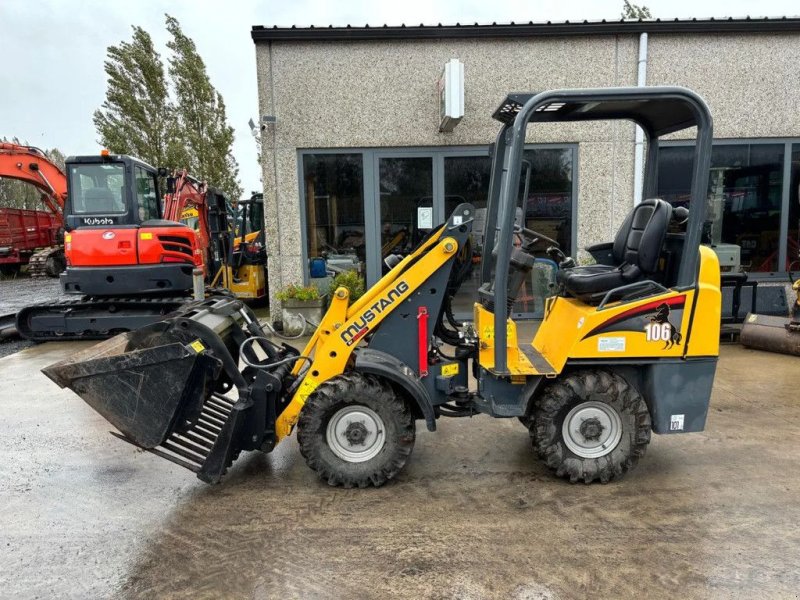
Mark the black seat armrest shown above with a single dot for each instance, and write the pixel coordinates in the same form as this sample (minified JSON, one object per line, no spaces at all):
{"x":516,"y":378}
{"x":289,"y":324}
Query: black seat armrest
{"x":602,"y":253}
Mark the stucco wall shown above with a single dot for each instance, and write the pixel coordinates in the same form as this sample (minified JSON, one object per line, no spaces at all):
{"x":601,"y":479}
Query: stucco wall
{"x":383,"y":94}
{"x":751,"y":82}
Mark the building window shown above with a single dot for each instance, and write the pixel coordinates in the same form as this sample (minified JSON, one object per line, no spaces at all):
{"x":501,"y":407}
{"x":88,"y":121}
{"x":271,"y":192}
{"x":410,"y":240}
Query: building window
{"x":334,"y":209}
{"x":548,"y":209}
{"x":793,"y":235}
{"x":405,"y":186}
{"x":362,"y":205}
{"x":744,"y":197}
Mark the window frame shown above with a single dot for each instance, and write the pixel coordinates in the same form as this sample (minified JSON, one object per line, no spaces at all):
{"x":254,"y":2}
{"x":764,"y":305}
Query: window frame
{"x":787,"y":143}
{"x":370,"y":169}
{"x":137,"y":169}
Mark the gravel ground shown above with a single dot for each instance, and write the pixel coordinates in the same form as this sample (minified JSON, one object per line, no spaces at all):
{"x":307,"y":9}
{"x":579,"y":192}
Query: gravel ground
{"x":20,"y":292}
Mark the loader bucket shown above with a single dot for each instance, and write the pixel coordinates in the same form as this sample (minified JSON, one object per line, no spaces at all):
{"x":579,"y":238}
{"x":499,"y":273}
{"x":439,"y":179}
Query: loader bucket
{"x":773,"y":334}
{"x":142,"y":382}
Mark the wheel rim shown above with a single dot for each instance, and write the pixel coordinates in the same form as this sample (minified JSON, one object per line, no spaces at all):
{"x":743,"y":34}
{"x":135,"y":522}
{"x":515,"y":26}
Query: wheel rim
{"x":592,"y":429}
{"x":356,"y":434}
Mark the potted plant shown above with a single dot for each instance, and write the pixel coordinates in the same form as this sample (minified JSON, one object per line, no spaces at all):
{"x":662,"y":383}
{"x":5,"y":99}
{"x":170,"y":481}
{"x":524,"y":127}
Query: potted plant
{"x":305,"y":301}
{"x":350,"y":280}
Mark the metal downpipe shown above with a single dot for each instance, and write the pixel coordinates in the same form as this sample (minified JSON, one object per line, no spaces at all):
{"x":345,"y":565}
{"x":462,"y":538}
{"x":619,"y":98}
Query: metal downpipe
{"x":638,"y":156}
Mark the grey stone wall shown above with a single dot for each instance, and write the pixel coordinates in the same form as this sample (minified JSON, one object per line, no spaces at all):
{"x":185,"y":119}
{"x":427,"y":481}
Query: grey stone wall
{"x":383,"y":94}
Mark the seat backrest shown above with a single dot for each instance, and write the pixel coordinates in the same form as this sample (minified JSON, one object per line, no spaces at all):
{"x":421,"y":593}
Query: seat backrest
{"x":98,"y":200}
{"x":641,"y":237}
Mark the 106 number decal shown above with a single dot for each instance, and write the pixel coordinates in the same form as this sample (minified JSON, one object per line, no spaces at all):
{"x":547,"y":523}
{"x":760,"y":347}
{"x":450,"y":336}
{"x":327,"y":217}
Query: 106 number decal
{"x":658,"y":332}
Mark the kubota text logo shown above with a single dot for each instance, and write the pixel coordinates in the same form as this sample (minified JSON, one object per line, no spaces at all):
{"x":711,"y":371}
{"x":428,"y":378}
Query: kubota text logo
{"x":359,"y":328}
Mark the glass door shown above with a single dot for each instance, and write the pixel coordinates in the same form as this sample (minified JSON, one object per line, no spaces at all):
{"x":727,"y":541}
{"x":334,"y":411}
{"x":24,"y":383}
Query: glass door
{"x":405,"y":207}
{"x":547,"y":208}
{"x":466,"y":179}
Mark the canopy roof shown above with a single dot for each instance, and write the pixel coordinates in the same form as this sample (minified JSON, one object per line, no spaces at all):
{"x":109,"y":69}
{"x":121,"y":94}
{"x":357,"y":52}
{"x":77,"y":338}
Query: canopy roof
{"x":659,"y":110}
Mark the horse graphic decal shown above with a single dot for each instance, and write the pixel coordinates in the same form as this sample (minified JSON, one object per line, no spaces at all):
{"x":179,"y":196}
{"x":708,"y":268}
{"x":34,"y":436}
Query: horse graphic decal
{"x":660,"y":328}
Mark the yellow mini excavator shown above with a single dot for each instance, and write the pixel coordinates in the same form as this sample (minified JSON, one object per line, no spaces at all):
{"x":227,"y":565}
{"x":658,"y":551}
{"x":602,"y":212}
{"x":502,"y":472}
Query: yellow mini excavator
{"x":627,"y":346}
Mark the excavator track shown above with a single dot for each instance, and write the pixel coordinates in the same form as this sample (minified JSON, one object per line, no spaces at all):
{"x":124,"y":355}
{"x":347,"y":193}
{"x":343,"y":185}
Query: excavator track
{"x":93,"y":318}
{"x":48,"y":262}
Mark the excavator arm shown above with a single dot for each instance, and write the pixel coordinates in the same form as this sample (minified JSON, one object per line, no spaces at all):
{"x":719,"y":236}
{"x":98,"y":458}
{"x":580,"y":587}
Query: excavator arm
{"x":29,"y":164}
{"x":184,"y":192}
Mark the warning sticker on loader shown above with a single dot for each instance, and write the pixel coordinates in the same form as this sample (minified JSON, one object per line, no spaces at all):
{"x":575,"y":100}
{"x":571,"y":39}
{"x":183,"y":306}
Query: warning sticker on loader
{"x":450,"y":370}
{"x":676,"y":423}
{"x":306,"y":389}
{"x":611,"y":344}
{"x":197,"y":346}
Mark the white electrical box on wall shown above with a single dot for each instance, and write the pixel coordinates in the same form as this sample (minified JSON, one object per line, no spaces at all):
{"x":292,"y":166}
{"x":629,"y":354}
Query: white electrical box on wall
{"x":451,"y":95}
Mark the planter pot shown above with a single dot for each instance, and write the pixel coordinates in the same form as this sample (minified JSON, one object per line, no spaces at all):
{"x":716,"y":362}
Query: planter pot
{"x":310,"y":310}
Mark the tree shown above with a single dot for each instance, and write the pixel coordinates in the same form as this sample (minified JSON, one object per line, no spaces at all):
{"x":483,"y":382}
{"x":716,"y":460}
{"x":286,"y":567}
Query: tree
{"x":634,"y":11}
{"x":200,"y":112}
{"x":137,"y":117}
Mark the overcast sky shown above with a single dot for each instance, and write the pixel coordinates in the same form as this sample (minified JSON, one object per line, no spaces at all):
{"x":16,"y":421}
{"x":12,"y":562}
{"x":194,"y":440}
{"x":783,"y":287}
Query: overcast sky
{"x":52,"y":79}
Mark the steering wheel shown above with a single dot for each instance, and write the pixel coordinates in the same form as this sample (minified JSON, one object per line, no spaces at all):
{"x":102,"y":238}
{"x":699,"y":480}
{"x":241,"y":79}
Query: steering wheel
{"x":533,"y":237}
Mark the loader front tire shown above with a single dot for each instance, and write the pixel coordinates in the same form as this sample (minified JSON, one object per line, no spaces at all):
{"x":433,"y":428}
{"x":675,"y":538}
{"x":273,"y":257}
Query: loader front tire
{"x":355,"y":431}
{"x":590,"y":425}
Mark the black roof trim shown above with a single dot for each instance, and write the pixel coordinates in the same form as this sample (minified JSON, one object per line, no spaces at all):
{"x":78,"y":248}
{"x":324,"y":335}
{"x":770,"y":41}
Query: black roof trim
{"x":531,"y":29}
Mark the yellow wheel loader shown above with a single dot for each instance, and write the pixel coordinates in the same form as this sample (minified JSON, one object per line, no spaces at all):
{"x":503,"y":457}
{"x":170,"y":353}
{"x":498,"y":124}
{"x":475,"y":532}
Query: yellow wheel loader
{"x":627,"y":346}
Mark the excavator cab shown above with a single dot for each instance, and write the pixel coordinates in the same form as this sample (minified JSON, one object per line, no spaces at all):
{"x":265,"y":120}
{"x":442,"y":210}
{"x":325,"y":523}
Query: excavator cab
{"x":116,"y":241}
{"x":110,"y":190}
{"x":628,"y":346}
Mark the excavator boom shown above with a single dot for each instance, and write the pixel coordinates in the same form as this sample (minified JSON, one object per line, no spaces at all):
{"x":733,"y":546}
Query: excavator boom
{"x":33,"y":236}
{"x":29,"y":164}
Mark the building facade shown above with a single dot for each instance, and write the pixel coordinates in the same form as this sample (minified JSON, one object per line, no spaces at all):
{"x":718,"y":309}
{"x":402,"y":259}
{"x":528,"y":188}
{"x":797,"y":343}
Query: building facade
{"x":355,"y":166}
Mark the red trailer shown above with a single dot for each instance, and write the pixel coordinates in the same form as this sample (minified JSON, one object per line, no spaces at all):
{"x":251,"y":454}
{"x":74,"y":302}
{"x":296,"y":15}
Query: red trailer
{"x":22,"y":232}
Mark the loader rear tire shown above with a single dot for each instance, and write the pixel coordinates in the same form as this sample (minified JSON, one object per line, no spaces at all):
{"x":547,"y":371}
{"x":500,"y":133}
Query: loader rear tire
{"x":591,"y":425}
{"x":355,"y":431}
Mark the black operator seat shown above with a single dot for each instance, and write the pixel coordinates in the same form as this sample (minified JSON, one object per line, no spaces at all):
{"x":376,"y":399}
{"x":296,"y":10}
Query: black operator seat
{"x":635,"y":252}
{"x":98,"y":200}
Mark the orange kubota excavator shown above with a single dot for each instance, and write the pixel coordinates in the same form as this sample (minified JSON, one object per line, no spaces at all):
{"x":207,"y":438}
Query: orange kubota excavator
{"x":128,"y":260}
{"x":33,"y":236}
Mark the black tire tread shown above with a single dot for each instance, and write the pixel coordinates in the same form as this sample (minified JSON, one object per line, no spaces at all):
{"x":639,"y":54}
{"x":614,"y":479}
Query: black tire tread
{"x":355,"y":388}
{"x":556,"y":401}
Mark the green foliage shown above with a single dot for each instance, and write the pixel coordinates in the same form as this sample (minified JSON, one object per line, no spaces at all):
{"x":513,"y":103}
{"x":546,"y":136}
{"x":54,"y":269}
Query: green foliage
{"x":634,"y":11}
{"x":20,"y":194}
{"x":350,"y":280}
{"x":137,"y":117}
{"x":298,"y":292}
{"x":200,"y":111}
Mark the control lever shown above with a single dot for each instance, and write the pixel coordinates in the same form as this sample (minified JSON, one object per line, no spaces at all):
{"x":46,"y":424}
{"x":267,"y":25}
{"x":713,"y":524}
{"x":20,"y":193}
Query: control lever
{"x":564,"y":261}
{"x":680,"y":214}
